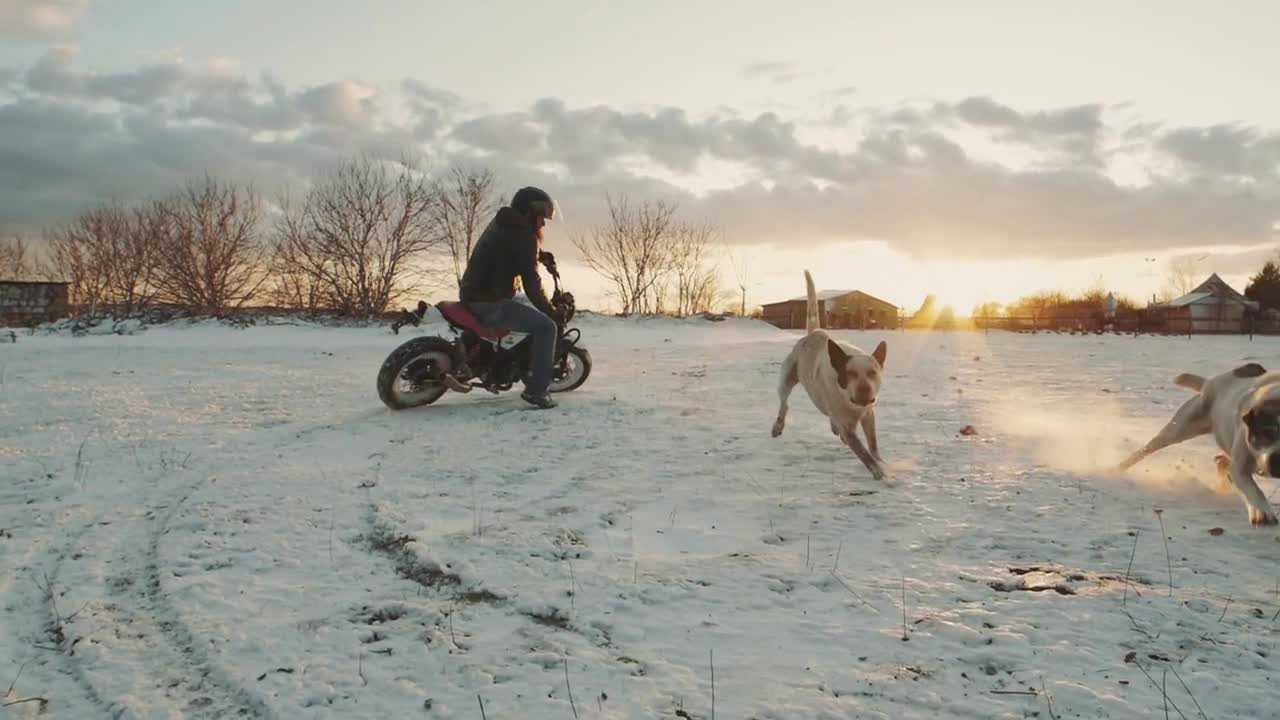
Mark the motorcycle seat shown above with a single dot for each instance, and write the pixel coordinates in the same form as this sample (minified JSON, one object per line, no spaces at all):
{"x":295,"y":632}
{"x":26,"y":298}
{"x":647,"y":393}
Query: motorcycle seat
{"x":458,"y":314}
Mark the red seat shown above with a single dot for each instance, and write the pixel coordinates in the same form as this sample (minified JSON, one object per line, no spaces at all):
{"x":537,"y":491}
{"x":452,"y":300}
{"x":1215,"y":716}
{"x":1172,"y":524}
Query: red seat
{"x":458,"y":314}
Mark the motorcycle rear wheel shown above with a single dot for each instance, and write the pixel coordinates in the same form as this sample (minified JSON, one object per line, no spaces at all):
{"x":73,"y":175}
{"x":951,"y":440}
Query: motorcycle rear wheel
{"x":409,"y":376}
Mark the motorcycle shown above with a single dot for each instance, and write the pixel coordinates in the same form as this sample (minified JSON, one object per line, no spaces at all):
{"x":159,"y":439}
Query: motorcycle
{"x":422,"y":370}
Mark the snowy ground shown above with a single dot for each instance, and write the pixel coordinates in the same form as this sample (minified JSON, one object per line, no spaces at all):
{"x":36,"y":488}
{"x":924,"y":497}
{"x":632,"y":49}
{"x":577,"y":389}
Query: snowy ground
{"x":201,"y":521}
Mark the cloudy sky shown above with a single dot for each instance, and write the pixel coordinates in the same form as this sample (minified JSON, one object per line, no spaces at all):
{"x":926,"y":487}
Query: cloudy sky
{"x":977,"y":152}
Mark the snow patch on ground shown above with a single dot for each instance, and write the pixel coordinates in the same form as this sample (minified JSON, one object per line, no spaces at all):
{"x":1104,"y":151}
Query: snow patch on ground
{"x":206,"y":521}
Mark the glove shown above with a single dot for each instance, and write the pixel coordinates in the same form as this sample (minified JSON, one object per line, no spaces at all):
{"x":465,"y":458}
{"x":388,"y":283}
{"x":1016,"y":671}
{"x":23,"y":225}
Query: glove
{"x":549,"y":261}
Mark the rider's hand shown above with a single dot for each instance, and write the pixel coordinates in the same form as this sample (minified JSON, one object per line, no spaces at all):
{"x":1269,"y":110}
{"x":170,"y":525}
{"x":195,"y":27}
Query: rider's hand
{"x":548,"y":260}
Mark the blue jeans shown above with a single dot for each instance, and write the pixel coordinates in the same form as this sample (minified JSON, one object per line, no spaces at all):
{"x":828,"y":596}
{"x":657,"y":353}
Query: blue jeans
{"x":521,"y":318}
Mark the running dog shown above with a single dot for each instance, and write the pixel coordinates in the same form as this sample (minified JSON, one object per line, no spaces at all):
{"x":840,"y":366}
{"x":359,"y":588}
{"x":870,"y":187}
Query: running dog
{"x":1241,"y":408}
{"x":842,"y":380}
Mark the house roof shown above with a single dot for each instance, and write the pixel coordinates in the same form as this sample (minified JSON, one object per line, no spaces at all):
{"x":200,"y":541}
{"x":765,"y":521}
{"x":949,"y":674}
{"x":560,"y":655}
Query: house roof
{"x":822,"y":295}
{"x":1188,"y":299}
{"x":826,"y":295}
{"x":1213,"y":289}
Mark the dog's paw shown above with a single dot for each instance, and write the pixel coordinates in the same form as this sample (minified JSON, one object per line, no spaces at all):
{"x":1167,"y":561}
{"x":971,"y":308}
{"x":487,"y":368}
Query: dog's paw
{"x":1260,"y":518}
{"x":777,"y":427}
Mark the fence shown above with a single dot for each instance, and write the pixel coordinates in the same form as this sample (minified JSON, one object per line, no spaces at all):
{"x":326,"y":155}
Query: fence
{"x":1128,"y":324}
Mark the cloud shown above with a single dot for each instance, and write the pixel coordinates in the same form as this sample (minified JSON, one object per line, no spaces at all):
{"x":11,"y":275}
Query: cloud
{"x":54,"y":74}
{"x":424,"y":94}
{"x":343,"y":104}
{"x":39,"y":19}
{"x":1075,"y":131}
{"x":1078,"y":120}
{"x":778,"y":73}
{"x":1230,"y":150}
{"x":510,"y":135}
{"x":904,"y":175}
{"x":433,"y":109}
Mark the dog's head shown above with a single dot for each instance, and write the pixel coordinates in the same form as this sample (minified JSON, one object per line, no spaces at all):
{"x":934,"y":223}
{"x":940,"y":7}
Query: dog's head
{"x":858,"y":374}
{"x":1262,"y":428}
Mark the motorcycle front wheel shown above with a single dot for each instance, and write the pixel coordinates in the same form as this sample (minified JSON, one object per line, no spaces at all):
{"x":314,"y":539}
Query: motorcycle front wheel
{"x":574,"y":372}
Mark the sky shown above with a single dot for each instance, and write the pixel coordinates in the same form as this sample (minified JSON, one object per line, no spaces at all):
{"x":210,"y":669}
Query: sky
{"x":977,"y":152}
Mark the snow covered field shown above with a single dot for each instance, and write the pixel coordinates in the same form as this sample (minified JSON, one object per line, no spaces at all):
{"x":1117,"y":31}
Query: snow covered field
{"x":201,"y":521}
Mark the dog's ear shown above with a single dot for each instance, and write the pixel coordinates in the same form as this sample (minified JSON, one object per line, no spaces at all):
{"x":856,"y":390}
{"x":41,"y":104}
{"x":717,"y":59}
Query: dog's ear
{"x":839,"y":361}
{"x":880,"y":352}
{"x":1251,"y":370}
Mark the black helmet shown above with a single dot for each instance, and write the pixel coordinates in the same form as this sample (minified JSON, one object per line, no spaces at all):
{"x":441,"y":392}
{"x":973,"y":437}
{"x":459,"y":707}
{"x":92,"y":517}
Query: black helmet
{"x":533,"y":201}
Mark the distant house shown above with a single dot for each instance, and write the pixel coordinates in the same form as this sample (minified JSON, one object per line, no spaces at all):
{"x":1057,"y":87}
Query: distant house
{"x":1212,"y":307}
{"x":848,"y":309}
{"x":31,"y":303}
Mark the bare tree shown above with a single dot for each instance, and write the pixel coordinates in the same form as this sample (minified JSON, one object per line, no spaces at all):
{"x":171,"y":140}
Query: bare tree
{"x":696,"y":276}
{"x":292,"y":285}
{"x":633,"y":251}
{"x":210,"y":257}
{"x":352,"y":242}
{"x":743,"y":272}
{"x":107,"y":255}
{"x":72,"y":260}
{"x":132,"y":256}
{"x":1181,"y":275}
{"x":16,"y":261}
{"x":467,"y":201}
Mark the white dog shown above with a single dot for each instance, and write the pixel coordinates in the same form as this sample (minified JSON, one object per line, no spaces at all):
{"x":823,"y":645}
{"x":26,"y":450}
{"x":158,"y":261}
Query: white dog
{"x":842,"y":380}
{"x":1242,"y":410}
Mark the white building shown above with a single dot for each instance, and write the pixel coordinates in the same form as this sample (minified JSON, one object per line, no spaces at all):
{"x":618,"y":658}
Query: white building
{"x":1212,"y":307}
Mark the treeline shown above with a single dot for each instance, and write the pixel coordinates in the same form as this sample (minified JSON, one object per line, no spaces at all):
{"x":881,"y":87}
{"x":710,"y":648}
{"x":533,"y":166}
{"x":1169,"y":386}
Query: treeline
{"x":1264,"y":287}
{"x":361,"y":239}
{"x":1054,"y":302}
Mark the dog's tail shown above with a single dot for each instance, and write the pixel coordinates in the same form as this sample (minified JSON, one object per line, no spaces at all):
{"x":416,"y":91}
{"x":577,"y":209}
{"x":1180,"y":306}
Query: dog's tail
{"x":811,"y":319}
{"x":1191,"y":382}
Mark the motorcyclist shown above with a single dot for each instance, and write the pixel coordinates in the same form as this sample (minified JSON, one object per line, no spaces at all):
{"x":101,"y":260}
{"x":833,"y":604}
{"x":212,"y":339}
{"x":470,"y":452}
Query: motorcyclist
{"x":510,"y":248}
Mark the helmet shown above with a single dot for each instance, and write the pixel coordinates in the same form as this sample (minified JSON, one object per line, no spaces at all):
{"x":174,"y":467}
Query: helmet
{"x":534,"y":201}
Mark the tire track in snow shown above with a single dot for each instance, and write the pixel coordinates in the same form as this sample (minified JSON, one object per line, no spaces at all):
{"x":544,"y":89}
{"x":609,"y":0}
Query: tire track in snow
{"x":136,"y":613}
{"x":50,"y":621}
{"x":167,"y":618}
{"x":383,"y":539}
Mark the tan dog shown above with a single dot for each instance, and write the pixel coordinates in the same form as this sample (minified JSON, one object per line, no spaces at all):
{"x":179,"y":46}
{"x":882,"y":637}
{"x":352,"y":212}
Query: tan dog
{"x":1241,"y":408}
{"x":842,"y":380}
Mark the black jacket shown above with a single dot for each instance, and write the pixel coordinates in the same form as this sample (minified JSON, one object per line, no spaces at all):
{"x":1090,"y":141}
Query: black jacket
{"x":507,"y":249}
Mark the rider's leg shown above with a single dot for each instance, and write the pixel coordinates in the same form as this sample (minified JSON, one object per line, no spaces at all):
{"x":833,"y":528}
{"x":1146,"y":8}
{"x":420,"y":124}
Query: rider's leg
{"x":522,"y":318}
